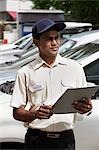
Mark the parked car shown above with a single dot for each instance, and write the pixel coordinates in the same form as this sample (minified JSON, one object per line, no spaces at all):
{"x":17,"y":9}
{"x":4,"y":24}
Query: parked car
{"x":88,"y":56}
{"x":80,"y":39}
{"x":87,"y":130}
{"x":11,"y":131}
{"x":7,"y":58}
{"x":9,"y":66}
{"x":15,"y":44}
{"x":73,"y":25}
{"x":24,"y":47}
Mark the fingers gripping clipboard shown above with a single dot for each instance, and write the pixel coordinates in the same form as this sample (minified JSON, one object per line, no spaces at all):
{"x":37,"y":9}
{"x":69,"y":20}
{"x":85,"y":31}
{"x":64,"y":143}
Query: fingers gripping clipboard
{"x":64,"y":103}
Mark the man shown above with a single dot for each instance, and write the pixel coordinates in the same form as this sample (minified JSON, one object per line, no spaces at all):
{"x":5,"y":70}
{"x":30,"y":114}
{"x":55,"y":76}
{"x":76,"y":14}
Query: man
{"x":39,"y":84}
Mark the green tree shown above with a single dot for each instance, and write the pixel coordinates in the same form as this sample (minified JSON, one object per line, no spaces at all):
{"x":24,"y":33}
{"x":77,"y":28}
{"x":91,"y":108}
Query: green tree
{"x":78,"y":10}
{"x":86,"y":11}
{"x":54,"y":4}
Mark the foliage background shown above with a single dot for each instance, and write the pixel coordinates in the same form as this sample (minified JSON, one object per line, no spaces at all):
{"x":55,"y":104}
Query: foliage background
{"x":74,"y":10}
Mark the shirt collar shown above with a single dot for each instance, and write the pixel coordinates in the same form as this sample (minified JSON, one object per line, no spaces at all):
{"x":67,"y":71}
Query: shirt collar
{"x":38,"y":62}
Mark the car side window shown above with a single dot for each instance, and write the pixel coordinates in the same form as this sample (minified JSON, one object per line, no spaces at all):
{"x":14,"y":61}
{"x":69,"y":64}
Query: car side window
{"x":92,"y":69}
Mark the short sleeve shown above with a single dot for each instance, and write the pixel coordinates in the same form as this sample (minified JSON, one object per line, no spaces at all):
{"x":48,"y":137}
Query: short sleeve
{"x":19,"y":93}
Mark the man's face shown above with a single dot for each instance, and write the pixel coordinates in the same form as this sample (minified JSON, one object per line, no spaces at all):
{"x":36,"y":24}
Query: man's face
{"x":49,"y":43}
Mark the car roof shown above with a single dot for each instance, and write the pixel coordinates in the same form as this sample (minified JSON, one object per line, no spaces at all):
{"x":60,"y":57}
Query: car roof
{"x":71,"y":25}
{"x":77,"y":35}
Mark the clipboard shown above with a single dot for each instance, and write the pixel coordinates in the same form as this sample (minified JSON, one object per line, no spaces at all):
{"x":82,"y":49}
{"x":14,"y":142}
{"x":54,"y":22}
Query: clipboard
{"x":64,"y":103}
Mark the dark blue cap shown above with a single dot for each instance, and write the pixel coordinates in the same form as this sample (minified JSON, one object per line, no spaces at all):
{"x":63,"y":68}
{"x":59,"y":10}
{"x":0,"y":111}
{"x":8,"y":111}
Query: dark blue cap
{"x":44,"y":25}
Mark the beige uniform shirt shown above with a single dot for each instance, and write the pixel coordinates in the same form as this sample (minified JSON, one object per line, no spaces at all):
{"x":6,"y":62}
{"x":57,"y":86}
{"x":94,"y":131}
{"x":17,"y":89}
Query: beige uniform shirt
{"x":37,"y":83}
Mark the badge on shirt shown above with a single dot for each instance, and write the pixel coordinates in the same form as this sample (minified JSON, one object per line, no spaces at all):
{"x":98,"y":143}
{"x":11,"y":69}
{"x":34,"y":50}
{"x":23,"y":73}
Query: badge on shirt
{"x":33,"y":87}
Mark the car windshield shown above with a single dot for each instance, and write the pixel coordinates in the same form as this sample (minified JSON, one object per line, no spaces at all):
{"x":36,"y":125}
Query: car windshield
{"x":82,"y":51}
{"x":21,"y":40}
{"x":19,"y":61}
{"x":66,"y":45}
{"x":25,"y":42}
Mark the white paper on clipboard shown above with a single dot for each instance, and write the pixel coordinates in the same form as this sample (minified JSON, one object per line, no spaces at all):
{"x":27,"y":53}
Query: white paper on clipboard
{"x":64,"y":103}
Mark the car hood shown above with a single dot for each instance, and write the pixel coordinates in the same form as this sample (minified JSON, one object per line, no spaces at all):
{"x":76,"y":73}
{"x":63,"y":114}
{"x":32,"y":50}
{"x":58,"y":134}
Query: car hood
{"x":4,"y":98}
{"x":8,"y":46}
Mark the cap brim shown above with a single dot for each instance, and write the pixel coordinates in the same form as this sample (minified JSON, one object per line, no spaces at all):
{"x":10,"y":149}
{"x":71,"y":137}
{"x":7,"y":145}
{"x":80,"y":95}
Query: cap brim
{"x":59,"y":26}
{"x":56,"y":26}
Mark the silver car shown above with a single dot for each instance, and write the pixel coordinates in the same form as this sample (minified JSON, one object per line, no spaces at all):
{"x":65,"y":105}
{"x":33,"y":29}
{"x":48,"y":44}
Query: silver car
{"x":15,"y":44}
{"x":87,"y":131}
{"x":12,"y":132}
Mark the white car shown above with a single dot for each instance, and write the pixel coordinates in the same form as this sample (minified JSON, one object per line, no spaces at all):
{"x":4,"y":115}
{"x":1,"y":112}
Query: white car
{"x":7,"y":58}
{"x":10,"y":129}
{"x":15,"y":44}
{"x":73,"y":25}
{"x":12,"y":132}
{"x":86,"y":131}
{"x":79,"y":39}
{"x":25,"y":46}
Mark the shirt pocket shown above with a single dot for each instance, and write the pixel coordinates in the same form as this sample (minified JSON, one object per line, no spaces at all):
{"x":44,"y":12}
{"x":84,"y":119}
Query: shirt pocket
{"x":67,"y":85}
{"x":36,"y":92}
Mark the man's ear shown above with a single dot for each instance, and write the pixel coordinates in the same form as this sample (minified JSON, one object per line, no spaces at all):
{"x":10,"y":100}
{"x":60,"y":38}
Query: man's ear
{"x":36,"y":42}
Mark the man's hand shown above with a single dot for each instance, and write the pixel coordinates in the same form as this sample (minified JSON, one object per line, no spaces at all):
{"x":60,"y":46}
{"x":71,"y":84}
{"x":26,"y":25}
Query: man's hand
{"x":44,"y":112}
{"x":83,"y":106}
